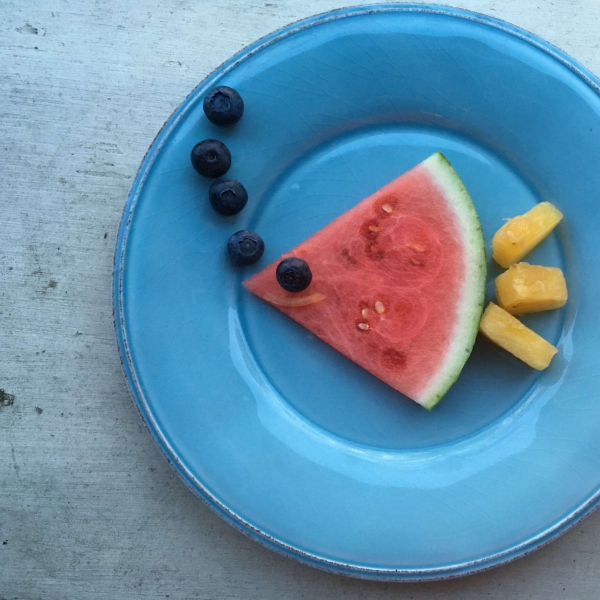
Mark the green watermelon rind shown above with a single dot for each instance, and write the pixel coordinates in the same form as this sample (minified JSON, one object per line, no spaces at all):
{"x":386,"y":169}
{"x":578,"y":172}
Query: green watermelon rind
{"x":470,"y":307}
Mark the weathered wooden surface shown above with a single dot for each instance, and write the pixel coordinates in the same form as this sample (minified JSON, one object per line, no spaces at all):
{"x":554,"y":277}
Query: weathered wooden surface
{"x":88,"y":506}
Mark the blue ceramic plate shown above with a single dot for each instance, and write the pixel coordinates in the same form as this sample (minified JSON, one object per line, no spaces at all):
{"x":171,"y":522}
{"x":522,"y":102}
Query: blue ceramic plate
{"x":282,"y":436}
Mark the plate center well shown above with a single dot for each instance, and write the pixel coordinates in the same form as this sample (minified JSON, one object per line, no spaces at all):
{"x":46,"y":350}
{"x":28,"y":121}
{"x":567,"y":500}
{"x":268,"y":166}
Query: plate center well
{"x":324,"y":386}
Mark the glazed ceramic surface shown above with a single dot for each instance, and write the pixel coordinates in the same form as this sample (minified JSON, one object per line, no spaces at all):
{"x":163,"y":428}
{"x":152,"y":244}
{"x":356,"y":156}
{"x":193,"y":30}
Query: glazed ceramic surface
{"x":281,"y":435}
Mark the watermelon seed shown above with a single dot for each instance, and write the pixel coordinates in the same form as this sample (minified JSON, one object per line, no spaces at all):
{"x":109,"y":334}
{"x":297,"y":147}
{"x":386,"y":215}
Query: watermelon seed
{"x":416,"y":261}
{"x":417,"y":247}
{"x":373,"y":228}
{"x":363,"y":326}
{"x":365,"y":312}
{"x":379,"y":307}
{"x":387,"y":208}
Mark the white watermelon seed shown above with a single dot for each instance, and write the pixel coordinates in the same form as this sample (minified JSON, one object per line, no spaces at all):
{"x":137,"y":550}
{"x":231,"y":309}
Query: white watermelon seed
{"x":363,"y":326}
{"x":387,"y":208}
{"x":379,"y":307}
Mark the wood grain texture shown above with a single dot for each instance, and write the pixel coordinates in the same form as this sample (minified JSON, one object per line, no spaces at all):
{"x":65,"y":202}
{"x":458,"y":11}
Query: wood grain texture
{"x":88,"y":506}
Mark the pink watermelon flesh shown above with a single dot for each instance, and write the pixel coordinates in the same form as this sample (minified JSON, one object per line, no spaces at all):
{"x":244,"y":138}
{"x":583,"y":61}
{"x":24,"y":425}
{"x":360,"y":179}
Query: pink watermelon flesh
{"x":390,"y":282}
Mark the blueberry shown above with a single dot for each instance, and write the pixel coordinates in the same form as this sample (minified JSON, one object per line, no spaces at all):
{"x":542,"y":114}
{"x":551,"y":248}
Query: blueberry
{"x":223,"y":106}
{"x":211,"y":158}
{"x":227,"y":197}
{"x":293,"y":274}
{"x":245,"y":247}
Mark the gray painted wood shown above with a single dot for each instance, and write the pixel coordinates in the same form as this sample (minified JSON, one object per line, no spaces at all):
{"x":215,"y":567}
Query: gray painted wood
{"x":88,"y":506}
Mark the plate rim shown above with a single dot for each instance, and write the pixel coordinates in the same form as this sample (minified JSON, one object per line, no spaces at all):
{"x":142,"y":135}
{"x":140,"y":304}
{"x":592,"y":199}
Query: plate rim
{"x":452,"y":571}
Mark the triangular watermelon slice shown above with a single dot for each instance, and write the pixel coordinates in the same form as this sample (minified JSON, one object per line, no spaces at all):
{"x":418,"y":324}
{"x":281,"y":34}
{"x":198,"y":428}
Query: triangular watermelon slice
{"x":398,"y":281}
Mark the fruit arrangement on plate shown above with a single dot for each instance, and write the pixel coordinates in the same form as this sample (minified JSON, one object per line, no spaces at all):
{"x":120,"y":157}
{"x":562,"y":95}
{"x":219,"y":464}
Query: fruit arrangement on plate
{"x":397,"y":282}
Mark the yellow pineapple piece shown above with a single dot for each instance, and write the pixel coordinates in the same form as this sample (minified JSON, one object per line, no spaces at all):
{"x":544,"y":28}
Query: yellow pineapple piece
{"x":509,"y":333}
{"x":522,"y":234}
{"x":526,"y":288}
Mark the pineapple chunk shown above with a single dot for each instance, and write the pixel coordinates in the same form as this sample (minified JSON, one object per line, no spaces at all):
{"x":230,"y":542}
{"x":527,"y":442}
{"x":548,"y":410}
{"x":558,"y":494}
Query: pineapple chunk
{"x":522,"y":234}
{"x":509,"y":333}
{"x":526,"y":288}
